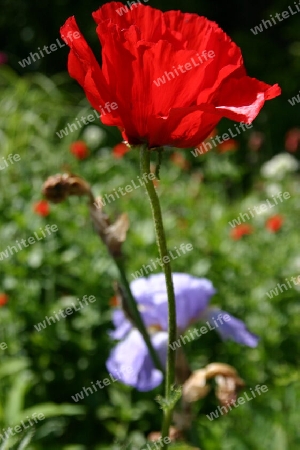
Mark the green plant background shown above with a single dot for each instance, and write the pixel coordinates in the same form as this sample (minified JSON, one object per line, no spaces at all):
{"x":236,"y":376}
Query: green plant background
{"x":40,"y":371}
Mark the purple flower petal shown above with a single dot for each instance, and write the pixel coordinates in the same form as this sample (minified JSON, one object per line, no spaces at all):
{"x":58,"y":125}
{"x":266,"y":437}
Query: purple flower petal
{"x":121,"y":323}
{"x":233,"y":328}
{"x":131,"y":363}
{"x":192,"y":297}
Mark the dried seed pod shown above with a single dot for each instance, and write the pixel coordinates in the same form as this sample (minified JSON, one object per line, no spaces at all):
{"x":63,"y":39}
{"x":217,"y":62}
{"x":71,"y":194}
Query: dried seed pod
{"x":60,"y":186}
{"x":195,"y":387}
{"x":228,"y":383}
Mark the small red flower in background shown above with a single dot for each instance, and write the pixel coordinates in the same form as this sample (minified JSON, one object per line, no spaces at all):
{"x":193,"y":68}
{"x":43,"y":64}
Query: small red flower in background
{"x":274,"y":223}
{"x":180,"y":161}
{"x":292,"y":140}
{"x":3,"y":299}
{"x":256,"y":140}
{"x":42,"y":208}
{"x":240,"y":230}
{"x":120,"y":150}
{"x":114,"y":302}
{"x":228,"y":146}
{"x":79,"y":149}
{"x":185,"y":74}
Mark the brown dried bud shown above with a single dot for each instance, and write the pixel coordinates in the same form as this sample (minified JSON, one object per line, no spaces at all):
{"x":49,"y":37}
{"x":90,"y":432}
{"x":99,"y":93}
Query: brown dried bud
{"x":100,"y":220}
{"x":60,"y":186}
{"x":113,"y":235}
{"x":195,"y":387}
{"x":227,"y":380}
{"x":116,"y":234}
{"x":227,"y":389}
{"x":214,"y":369}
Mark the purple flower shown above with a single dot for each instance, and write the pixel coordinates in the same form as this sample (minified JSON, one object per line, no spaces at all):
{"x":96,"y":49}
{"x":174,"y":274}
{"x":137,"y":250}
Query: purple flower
{"x":133,"y":352}
{"x":192,"y":298}
{"x":232,"y":328}
{"x":122,"y":325}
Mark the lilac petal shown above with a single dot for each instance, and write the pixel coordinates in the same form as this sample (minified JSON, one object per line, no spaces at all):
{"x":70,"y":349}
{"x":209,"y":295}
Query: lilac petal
{"x":121,"y":323}
{"x":142,"y":290}
{"x":233,"y":328}
{"x":151,"y":296}
{"x":131,"y":363}
{"x":192,"y":297}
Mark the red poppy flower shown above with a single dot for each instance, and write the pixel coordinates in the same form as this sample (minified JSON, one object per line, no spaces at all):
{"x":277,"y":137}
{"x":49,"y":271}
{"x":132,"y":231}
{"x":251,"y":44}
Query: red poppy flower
{"x":3,"y":299}
{"x":228,"y":146}
{"x":120,"y":150}
{"x":274,"y":223}
{"x":166,"y":78}
{"x":240,"y":230}
{"x":79,"y":149}
{"x":42,"y":208}
{"x":114,"y":302}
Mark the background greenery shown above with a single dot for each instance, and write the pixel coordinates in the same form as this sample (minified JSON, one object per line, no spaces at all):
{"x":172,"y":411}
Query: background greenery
{"x":40,"y":371}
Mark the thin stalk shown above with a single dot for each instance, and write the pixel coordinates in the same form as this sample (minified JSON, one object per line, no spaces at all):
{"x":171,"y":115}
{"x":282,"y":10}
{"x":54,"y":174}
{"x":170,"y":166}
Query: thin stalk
{"x":129,"y":299}
{"x":133,"y":309}
{"x":163,"y":252}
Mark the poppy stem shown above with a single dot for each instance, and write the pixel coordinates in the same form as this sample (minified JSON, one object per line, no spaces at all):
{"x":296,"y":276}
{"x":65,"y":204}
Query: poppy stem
{"x":165,"y":259}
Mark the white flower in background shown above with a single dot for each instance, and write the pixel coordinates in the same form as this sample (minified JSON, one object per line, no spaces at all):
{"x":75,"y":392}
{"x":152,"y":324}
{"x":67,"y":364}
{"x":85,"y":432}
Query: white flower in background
{"x":279,"y":166}
{"x":94,"y":135}
{"x":273,"y":189}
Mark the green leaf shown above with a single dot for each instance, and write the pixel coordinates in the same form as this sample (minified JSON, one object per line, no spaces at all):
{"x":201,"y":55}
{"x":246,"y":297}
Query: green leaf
{"x":26,"y":440}
{"x":52,"y":410}
{"x":13,"y":366}
{"x":15,"y":398}
{"x":168,"y":404}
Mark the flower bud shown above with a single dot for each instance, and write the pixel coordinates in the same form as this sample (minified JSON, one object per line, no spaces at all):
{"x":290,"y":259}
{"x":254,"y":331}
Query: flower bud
{"x":228,"y":383}
{"x":113,"y":235}
{"x":60,"y":186}
{"x":195,"y":387}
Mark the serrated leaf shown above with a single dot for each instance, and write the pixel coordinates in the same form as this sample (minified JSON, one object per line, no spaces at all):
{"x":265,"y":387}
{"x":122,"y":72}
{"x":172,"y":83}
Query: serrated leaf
{"x":168,"y":404}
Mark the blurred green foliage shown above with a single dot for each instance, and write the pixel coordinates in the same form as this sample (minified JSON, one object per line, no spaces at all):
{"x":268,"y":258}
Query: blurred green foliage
{"x":40,"y":371}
